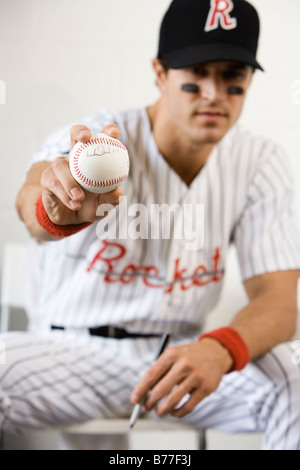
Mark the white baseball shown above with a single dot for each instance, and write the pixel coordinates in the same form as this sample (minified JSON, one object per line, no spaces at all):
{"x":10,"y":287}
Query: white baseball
{"x":100,"y":164}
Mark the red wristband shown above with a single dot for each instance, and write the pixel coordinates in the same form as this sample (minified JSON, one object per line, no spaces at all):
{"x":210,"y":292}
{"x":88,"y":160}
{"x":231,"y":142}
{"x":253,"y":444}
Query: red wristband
{"x":60,"y":231}
{"x":231,"y":340}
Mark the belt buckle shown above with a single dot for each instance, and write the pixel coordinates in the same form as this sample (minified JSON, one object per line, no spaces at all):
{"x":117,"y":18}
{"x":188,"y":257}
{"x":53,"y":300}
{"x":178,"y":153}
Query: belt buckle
{"x":111,"y":331}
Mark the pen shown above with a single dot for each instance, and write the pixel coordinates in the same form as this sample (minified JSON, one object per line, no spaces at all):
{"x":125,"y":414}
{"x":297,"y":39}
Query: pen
{"x":137,"y":408}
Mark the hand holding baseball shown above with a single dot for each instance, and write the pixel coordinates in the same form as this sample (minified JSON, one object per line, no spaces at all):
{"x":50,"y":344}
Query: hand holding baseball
{"x":99,"y":165}
{"x":65,"y":200}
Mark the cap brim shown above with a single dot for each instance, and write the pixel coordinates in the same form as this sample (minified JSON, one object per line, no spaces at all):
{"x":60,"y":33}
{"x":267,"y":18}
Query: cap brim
{"x":205,"y":53}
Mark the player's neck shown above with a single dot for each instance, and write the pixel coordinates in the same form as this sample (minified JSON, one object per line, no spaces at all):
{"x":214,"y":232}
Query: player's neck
{"x":184,"y":156}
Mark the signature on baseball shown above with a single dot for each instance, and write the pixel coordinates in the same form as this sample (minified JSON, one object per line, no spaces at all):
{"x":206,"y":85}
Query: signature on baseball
{"x":99,"y":150}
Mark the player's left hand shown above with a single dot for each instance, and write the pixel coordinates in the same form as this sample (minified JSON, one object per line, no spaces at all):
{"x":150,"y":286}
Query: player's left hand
{"x":194,"y":370}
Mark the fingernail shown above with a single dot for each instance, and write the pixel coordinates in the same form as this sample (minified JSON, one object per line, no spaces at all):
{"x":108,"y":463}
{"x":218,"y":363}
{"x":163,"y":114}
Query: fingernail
{"x":82,"y":135}
{"x":74,"y":204}
{"x":75,"y":192}
{"x":134,"y":398}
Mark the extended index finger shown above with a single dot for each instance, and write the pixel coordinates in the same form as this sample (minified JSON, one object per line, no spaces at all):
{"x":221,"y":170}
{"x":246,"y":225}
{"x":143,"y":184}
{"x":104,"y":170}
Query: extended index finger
{"x":79,"y":133}
{"x":153,"y":375}
{"x":112,"y":130}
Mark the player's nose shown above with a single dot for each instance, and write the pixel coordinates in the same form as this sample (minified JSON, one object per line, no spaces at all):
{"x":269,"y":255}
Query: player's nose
{"x":212,"y":89}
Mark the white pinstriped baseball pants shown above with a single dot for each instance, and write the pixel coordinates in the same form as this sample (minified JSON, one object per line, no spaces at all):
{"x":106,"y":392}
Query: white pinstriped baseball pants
{"x":61,"y":378}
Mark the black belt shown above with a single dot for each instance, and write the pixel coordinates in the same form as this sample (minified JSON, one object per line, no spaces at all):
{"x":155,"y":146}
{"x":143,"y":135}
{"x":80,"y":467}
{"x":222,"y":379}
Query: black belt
{"x":110,"y":331}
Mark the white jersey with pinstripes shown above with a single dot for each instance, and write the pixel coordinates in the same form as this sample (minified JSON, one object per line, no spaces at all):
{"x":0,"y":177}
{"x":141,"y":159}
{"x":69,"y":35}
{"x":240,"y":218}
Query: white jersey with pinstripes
{"x":157,"y":285}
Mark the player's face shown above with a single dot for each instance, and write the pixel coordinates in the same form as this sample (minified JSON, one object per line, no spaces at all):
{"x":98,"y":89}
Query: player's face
{"x":206,"y":115}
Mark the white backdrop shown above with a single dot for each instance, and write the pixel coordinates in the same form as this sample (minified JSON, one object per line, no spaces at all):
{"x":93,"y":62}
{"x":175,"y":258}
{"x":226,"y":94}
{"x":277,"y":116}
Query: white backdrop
{"x":63,"y":59}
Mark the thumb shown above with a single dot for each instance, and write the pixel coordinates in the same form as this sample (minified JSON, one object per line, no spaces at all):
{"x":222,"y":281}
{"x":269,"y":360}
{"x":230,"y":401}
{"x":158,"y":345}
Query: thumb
{"x":112,"y":130}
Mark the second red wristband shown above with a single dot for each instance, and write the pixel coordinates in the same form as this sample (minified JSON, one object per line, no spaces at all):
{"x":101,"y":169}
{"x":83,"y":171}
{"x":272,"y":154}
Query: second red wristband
{"x":232,"y":341}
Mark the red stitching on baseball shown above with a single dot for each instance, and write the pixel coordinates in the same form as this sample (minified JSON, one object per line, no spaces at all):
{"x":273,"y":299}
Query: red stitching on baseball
{"x":94,"y":183}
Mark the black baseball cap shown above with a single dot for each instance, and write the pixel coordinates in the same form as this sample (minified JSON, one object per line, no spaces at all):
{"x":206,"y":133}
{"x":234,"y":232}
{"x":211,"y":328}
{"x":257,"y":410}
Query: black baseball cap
{"x":200,"y":31}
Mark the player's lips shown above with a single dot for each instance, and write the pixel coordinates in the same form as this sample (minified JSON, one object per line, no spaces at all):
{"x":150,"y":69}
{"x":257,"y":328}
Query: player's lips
{"x":211,"y":115}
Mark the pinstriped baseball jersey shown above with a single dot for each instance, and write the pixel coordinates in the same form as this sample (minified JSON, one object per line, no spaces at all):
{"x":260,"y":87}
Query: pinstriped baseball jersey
{"x":145,"y":281}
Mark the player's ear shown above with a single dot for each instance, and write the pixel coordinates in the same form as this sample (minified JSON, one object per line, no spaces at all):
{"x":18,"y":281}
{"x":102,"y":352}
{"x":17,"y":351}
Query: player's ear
{"x":161,"y":73}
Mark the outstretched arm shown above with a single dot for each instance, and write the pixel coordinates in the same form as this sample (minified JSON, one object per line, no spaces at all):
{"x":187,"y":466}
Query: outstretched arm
{"x":65,"y":202}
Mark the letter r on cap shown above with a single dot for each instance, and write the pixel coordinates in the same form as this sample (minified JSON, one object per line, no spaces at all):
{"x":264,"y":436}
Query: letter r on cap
{"x":219,"y":15}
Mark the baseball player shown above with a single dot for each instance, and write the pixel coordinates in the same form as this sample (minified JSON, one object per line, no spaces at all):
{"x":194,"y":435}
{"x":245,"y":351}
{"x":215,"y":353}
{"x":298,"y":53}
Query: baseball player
{"x":102,"y":303}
